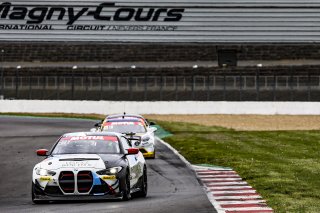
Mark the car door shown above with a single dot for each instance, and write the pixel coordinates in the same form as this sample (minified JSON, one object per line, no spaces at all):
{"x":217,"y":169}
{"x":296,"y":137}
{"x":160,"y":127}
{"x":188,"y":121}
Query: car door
{"x":134,"y":163}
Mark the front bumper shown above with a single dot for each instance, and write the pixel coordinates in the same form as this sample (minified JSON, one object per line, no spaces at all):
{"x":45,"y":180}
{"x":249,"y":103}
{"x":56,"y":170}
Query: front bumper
{"x":149,"y":155}
{"x":146,"y":153}
{"x":76,"y":197}
{"x":100,"y":187}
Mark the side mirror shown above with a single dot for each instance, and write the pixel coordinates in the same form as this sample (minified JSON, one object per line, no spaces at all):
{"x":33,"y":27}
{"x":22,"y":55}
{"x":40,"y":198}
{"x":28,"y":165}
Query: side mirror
{"x":151,"y":123}
{"x":133,"y":151}
{"x":42,"y":152}
{"x":97,"y":125}
{"x":133,"y":139}
{"x":153,"y":129}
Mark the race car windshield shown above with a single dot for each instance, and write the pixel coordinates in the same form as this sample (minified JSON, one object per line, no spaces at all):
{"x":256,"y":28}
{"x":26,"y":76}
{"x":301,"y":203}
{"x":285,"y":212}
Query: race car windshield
{"x":125,"y":128}
{"x":78,"y":145}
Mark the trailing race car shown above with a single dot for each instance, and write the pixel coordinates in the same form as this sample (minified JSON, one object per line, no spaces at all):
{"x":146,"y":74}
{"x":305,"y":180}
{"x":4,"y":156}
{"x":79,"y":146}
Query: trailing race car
{"x":134,"y":126}
{"x":88,"y":165}
{"x":129,"y":116}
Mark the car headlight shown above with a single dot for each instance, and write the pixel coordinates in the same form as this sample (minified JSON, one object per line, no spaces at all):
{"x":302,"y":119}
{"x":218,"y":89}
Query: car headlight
{"x":110,"y":171}
{"x":137,"y":143}
{"x":145,"y":139}
{"x":45,"y":172}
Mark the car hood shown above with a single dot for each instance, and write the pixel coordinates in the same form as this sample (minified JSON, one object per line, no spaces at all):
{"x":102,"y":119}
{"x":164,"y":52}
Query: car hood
{"x":80,"y":161}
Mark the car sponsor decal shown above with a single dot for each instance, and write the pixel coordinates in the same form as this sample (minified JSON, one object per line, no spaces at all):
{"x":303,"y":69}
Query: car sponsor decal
{"x":76,"y":164}
{"x":108,"y":177}
{"x":122,"y":123}
{"x":104,"y":138}
{"x":45,"y":178}
{"x":72,"y":13}
{"x":136,"y":118}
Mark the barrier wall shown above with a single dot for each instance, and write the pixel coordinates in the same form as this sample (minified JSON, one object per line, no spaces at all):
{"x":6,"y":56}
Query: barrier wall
{"x":161,"y":107}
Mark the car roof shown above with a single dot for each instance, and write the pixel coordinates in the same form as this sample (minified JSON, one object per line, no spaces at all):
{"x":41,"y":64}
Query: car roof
{"x":92,"y":134}
{"x":124,"y":115}
{"x":123,"y":120}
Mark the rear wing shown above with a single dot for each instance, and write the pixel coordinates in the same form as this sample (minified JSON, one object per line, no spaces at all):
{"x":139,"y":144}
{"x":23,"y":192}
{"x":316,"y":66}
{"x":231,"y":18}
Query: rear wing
{"x":134,"y":139}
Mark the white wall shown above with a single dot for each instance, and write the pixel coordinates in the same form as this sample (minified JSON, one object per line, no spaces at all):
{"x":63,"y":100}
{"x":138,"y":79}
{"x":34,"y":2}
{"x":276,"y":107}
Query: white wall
{"x":161,"y":107}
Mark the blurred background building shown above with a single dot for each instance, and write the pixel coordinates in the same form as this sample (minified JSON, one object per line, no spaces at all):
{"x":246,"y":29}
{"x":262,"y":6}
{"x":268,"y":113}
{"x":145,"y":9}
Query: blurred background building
{"x":207,"y":50}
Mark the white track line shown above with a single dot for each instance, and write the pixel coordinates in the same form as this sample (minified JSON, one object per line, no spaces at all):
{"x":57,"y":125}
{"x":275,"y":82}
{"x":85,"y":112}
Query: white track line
{"x":219,"y":176}
{"x":226,"y":183}
{"x":203,"y":168}
{"x":216,"y":172}
{"x":238,"y":197}
{"x":242,"y":202}
{"x":220,"y":179}
{"x":229,"y":187}
{"x":234,"y":192}
{"x":249,"y":209}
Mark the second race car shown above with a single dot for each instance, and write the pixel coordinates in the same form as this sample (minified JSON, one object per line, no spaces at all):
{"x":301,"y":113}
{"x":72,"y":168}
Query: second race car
{"x":134,"y":126}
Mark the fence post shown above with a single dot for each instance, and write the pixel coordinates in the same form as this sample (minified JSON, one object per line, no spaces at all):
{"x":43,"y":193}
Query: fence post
{"x":58,"y":85}
{"x":291,"y":83}
{"x":2,"y":75}
{"x":101,"y":85}
{"x":176,"y":88}
{"x":131,"y":82}
{"x":72,"y":82}
{"x":240,"y":85}
{"x":17,"y":81}
{"x":87,"y":84}
{"x":30,"y":84}
{"x":309,"y":86}
{"x":44,"y":81}
{"x":2,"y":83}
{"x":274,"y":85}
{"x":161,"y":86}
{"x":258,"y":81}
{"x":208,"y":86}
{"x":145,"y":85}
{"x":224,"y":82}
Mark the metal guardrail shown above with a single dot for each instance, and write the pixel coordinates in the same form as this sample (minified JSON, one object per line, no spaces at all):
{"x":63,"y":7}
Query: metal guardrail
{"x":203,"y":86}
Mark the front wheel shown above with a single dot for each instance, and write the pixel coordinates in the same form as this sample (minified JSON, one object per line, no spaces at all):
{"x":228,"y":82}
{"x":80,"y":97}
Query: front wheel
{"x":126,"y":189}
{"x":144,"y":184}
{"x":33,"y":196}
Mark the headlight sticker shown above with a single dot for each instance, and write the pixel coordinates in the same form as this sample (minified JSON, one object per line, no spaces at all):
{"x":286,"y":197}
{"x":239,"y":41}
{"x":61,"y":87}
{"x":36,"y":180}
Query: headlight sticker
{"x":108,"y":177}
{"x":45,"y":178}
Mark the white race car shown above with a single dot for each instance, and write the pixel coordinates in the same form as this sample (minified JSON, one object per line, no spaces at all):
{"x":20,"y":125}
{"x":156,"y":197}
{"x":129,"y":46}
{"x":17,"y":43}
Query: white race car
{"x":134,"y":126}
{"x":89,"y":165}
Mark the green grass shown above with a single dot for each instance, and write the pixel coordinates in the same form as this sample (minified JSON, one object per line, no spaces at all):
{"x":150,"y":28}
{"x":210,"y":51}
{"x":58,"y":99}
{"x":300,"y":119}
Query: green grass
{"x":284,"y":166}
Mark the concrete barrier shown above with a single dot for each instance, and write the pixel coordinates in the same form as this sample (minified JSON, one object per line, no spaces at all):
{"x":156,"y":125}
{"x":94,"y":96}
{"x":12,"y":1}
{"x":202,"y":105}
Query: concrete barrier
{"x":161,"y":107}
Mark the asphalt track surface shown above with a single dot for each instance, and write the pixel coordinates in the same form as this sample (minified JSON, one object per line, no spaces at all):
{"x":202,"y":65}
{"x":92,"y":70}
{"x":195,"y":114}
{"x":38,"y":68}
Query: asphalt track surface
{"x":173,"y":187}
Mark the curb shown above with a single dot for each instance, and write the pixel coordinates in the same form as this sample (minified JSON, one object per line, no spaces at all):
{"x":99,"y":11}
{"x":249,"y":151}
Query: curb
{"x":225,"y":189}
{"x":215,"y":205}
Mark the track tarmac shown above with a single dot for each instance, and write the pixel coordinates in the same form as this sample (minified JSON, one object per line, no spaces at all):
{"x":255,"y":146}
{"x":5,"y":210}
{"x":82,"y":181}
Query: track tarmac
{"x":173,"y":187}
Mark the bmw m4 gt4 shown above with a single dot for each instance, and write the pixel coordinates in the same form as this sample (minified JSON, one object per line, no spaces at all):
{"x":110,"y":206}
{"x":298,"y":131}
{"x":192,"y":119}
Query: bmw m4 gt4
{"x":89,"y":165}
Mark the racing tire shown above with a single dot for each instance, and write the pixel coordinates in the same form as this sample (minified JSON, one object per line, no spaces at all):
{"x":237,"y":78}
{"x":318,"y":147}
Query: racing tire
{"x":33,"y":196}
{"x":144,"y":184}
{"x":126,"y":195}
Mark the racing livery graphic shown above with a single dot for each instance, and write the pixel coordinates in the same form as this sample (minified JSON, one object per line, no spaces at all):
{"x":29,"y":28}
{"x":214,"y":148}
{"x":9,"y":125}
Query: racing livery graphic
{"x":89,"y":165}
{"x":133,"y":126}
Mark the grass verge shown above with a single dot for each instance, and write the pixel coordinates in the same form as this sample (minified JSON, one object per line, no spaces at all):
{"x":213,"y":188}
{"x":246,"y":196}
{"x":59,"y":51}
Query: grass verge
{"x":284,"y":166}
